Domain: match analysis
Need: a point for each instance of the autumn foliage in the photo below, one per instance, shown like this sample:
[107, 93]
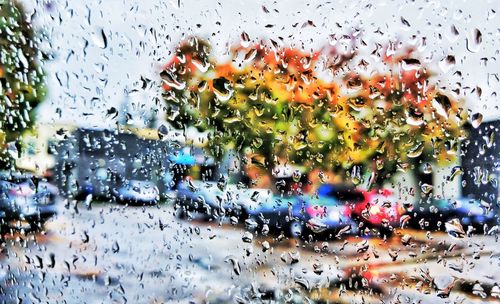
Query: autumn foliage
[275, 102]
[21, 77]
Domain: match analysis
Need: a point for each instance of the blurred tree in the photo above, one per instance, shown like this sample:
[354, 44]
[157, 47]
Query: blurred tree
[21, 78]
[271, 101]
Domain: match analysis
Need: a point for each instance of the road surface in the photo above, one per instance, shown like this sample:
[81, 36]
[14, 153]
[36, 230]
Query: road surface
[118, 254]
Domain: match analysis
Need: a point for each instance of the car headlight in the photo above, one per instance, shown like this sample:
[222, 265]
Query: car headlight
[334, 216]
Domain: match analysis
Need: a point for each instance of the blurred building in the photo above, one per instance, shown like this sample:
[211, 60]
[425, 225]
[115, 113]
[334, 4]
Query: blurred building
[481, 162]
[38, 148]
[91, 161]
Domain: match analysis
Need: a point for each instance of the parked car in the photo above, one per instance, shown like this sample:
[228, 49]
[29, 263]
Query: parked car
[325, 214]
[24, 197]
[136, 192]
[341, 209]
[262, 207]
[378, 208]
[470, 212]
[473, 212]
[207, 198]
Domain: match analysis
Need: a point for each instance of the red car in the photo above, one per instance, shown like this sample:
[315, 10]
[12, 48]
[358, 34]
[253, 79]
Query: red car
[379, 208]
[374, 208]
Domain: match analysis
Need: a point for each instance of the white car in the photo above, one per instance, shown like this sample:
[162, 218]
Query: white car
[137, 192]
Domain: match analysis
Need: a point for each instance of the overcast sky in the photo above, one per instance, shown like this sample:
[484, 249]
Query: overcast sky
[87, 77]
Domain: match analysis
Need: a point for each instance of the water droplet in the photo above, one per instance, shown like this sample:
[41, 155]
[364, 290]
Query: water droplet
[344, 230]
[115, 247]
[495, 291]
[426, 188]
[302, 282]
[477, 119]
[234, 220]
[455, 171]
[251, 224]
[454, 228]
[405, 22]
[201, 64]
[265, 229]
[245, 40]
[247, 237]
[447, 63]
[473, 43]
[478, 290]
[316, 225]
[489, 138]
[171, 80]
[222, 89]
[362, 246]
[442, 105]
[356, 177]
[162, 131]
[265, 246]
[357, 104]
[202, 86]
[416, 151]
[100, 39]
[232, 119]
[257, 142]
[406, 239]
[411, 64]
[250, 55]
[404, 220]
[235, 263]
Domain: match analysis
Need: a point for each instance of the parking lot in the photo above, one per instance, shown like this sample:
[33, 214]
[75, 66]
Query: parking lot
[249, 152]
[105, 253]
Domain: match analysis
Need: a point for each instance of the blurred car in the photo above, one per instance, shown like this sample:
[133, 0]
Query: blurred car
[378, 208]
[473, 212]
[136, 192]
[470, 212]
[323, 215]
[23, 197]
[261, 207]
[326, 213]
[342, 208]
[207, 198]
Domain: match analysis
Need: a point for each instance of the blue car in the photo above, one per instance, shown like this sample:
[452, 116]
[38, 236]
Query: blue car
[474, 212]
[208, 199]
[136, 192]
[325, 214]
[262, 207]
[24, 197]
[322, 215]
[470, 212]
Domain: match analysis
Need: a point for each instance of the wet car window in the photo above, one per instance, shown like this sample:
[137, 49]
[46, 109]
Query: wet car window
[249, 152]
